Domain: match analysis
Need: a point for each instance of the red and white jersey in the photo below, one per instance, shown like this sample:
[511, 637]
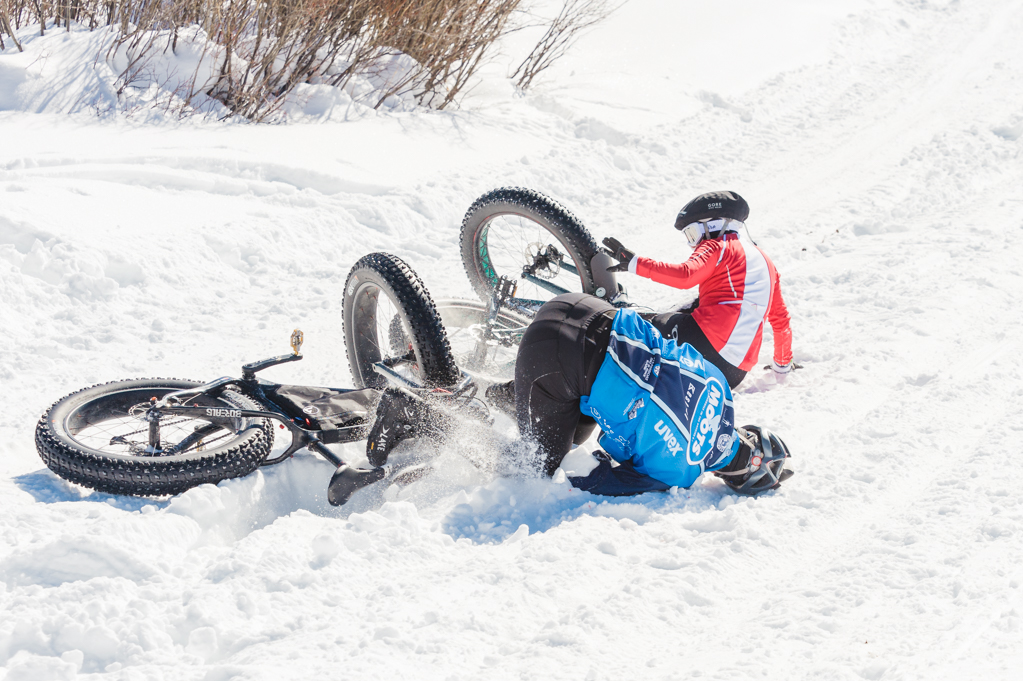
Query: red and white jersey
[739, 287]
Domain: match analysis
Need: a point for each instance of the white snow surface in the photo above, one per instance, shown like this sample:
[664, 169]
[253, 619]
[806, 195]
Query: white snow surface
[879, 145]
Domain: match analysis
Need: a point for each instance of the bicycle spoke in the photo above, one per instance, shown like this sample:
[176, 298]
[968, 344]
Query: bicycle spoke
[490, 355]
[390, 337]
[513, 240]
[128, 434]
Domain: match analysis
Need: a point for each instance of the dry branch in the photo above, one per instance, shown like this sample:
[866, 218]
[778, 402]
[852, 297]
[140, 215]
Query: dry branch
[568, 26]
[255, 52]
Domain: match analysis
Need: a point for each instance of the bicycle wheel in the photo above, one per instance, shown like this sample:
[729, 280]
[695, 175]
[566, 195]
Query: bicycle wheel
[389, 317]
[476, 349]
[99, 437]
[526, 236]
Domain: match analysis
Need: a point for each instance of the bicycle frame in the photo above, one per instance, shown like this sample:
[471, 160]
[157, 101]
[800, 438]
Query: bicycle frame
[300, 437]
[607, 285]
[303, 434]
[173, 404]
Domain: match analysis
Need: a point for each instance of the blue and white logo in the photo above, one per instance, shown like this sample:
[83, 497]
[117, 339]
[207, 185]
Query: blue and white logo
[670, 441]
[708, 410]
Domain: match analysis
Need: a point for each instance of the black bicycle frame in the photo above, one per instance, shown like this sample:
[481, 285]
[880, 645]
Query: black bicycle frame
[253, 388]
[300, 437]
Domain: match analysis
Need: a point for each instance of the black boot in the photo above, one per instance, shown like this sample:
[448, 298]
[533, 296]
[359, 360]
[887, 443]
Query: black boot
[399, 416]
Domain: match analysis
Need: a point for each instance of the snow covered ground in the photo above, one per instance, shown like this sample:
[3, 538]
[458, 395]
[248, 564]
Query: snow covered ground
[880, 145]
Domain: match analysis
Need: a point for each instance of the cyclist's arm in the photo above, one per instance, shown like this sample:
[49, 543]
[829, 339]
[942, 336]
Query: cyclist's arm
[778, 318]
[617, 481]
[692, 272]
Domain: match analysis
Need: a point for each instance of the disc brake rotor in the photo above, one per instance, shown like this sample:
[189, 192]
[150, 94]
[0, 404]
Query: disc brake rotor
[545, 259]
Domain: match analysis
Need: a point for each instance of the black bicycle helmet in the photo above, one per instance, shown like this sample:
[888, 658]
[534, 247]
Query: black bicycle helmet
[759, 465]
[694, 217]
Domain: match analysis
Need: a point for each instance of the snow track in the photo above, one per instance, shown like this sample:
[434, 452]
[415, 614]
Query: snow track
[886, 182]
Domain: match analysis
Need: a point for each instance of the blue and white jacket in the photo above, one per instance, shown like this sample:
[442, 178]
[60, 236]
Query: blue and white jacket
[666, 413]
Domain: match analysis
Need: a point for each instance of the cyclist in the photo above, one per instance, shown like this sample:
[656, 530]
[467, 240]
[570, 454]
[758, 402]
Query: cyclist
[738, 288]
[666, 414]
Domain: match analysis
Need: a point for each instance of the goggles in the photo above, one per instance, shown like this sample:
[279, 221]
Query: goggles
[695, 232]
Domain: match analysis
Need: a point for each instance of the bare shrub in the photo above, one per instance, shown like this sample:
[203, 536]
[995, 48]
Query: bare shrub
[255, 52]
[5, 26]
[265, 49]
[449, 39]
[574, 18]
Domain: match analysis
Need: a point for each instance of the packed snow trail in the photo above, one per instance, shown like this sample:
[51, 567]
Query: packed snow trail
[885, 181]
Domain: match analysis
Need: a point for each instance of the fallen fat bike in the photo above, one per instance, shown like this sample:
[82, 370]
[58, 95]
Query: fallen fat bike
[152, 437]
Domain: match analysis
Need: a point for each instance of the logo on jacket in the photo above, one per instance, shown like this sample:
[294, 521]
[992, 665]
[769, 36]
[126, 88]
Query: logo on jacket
[691, 363]
[690, 391]
[601, 421]
[648, 367]
[670, 441]
[709, 411]
[636, 406]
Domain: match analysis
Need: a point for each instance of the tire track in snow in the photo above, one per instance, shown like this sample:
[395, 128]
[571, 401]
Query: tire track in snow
[902, 114]
[182, 173]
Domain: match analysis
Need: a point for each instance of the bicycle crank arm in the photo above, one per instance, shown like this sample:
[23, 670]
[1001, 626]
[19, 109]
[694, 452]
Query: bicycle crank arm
[249, 370]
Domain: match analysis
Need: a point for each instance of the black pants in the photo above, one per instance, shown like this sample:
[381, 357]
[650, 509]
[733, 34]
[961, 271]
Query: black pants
[558, 360]
[681, 327]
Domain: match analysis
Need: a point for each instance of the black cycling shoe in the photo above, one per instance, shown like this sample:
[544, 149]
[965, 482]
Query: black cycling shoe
[399, 417]
[346, 481]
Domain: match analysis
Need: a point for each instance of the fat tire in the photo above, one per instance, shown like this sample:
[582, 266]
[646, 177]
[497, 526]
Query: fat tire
[392, 276]
[531, 204]
[148, 476]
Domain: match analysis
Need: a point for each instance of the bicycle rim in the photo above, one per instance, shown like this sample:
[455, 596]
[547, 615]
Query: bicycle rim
[465, 322]
[115, 424]
[510, 242]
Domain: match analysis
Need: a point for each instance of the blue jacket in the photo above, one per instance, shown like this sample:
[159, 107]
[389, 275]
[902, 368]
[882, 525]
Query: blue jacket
[666, 413]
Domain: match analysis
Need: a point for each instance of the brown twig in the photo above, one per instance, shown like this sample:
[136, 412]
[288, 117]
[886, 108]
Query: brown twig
[574, 18]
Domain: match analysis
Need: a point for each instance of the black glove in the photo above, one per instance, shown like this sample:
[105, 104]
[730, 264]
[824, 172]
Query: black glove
[620, 253]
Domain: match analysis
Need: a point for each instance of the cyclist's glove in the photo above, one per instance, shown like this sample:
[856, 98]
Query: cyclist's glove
[620, 253]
